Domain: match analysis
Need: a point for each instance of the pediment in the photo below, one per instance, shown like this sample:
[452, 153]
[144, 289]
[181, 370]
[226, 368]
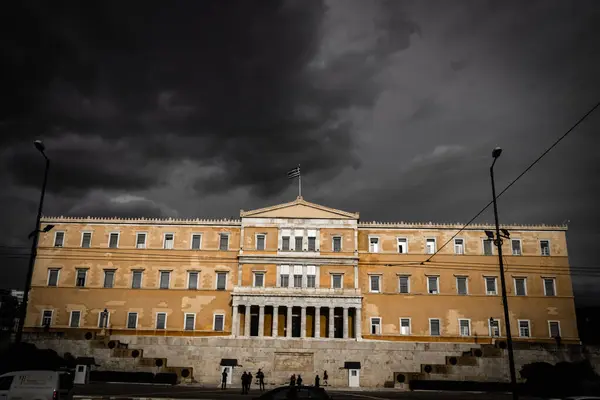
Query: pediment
[299, 208]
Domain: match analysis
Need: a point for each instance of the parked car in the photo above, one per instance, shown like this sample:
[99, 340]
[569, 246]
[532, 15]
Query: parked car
[294, 392]
[36, 385]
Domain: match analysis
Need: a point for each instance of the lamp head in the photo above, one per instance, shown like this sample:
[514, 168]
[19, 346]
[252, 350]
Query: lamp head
[39, 145]
[505, 233]
[490, 235]
[47, 228]
[496, 152]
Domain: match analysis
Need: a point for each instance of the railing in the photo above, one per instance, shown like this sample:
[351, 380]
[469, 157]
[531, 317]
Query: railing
[298, 291]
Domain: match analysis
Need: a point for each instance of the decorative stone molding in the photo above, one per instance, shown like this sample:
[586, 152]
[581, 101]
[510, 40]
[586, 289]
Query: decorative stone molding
[458, 225]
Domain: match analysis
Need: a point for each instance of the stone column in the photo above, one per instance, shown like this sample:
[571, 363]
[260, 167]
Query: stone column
[247, 321]
[346, 323]
[331, 312]
[303, 322]
[357, 323]
[288, 322]
[261, 321]
[235, 322]
[275, 320]
[317, 322]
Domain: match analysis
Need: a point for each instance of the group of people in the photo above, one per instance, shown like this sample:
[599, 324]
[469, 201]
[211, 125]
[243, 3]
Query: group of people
[298, 381]
[260, 376]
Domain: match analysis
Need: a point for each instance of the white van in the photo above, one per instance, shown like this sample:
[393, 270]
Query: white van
[35, 385]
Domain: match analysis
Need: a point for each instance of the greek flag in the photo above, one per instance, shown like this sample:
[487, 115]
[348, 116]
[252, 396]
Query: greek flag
[293, 173]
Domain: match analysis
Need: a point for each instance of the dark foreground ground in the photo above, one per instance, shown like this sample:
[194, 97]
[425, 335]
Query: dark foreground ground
[187, 392]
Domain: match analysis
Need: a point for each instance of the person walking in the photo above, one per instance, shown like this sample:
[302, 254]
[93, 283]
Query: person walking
[293, 380]
[325, 377]
[224, 379]
[317, 381]
[299, 380]
[249, 382]
[261, 379]
[244, 382]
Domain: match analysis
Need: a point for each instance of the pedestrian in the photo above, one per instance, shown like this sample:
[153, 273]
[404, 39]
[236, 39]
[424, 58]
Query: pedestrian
[224, 379]
[261, 379]
[299, 380]
[317, 381]
[249, 382]
[325, 377]
[293, 380]
[244, 380]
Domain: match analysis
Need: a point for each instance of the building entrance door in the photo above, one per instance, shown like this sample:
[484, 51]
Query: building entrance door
[295, 326]
[354, 377]
[229, 373]
[254, 325]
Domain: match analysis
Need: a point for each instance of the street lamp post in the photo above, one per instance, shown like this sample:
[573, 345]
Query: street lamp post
[36, 235]
[511, 358]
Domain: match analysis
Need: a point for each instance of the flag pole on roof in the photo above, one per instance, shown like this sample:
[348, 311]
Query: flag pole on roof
[295, 173]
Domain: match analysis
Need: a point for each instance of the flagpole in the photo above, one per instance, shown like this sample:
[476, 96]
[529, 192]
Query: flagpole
[299, 182]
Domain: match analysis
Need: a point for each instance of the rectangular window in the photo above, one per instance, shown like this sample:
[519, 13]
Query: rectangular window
[47, 317]
[196, 241]
[337, 244]
[375, 326]
[169, 241]
[545, 247]
[113, 240]
[336, 281]
[487, 247]
[259, 279]
[165, 278]
[554, 329]
[432, 284]
[405, 326]
[434, 327]
[86, 240]
[549, 287]
[161, 320]
[374, 283]
[223, 242]
[109, 279]
[524, 330]
[74, 320]
[520, 287]
[285, 243]
[374, 245]
[132, 318]
[461, 285]
[298, 243]
[81, 275]
[459, 246]
[260, 242]
[193, 280]
[190, 322]
[430, 246]
[140, 241]
[103, 319]
[297, 281]
[59, 239]
[516, 247]
[311, 276]
[490, 285]
[312, 243]
[53, 277]
[494, 327]
[136, 280]
[402, 245]
[404, 284]
[465, 327]
[221, 280]
[284, 276]
[219, 323]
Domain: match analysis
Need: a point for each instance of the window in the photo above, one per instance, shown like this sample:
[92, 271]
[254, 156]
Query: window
[298, 243]
[549, 287]
[404, 284]
[193, 280]
[102, 322]
[221, 280]
[223, 242]
[459, 246]
[297, 276]
[490, 285]
[132, 318]
[554, 329]
[336, 281]
[461, 285]
[311, 276]
[196, 241]
[59, 239]
[374, 281]
[219, 323]
[136, 280]
[487, 247]
[434, 327]
[430, 246]
[109, 278]
[337, 244]
[524, 330]
[165, 277]
[312, 243]
[432, 284]
[161, 320]
[465, 327]
[74, 319]
[53, 277]
[402, 245]
[140, 241]
[86, 240]
[190, 322]
[494, 325]
[284, 276]
[169, 241]
[545, 247]
[520, 287]
[113, 240]
[260, 242]
[81, 275]
[374, 245]
[259, 279]
[285, 243]
[516, 247]
[47, 317]
[375, 326]
[405, 326]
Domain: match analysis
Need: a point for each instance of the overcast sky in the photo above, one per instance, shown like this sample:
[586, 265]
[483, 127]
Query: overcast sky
[392, 108]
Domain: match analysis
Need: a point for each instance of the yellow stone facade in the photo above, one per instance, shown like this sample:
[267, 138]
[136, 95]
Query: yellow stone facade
[353, 281]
